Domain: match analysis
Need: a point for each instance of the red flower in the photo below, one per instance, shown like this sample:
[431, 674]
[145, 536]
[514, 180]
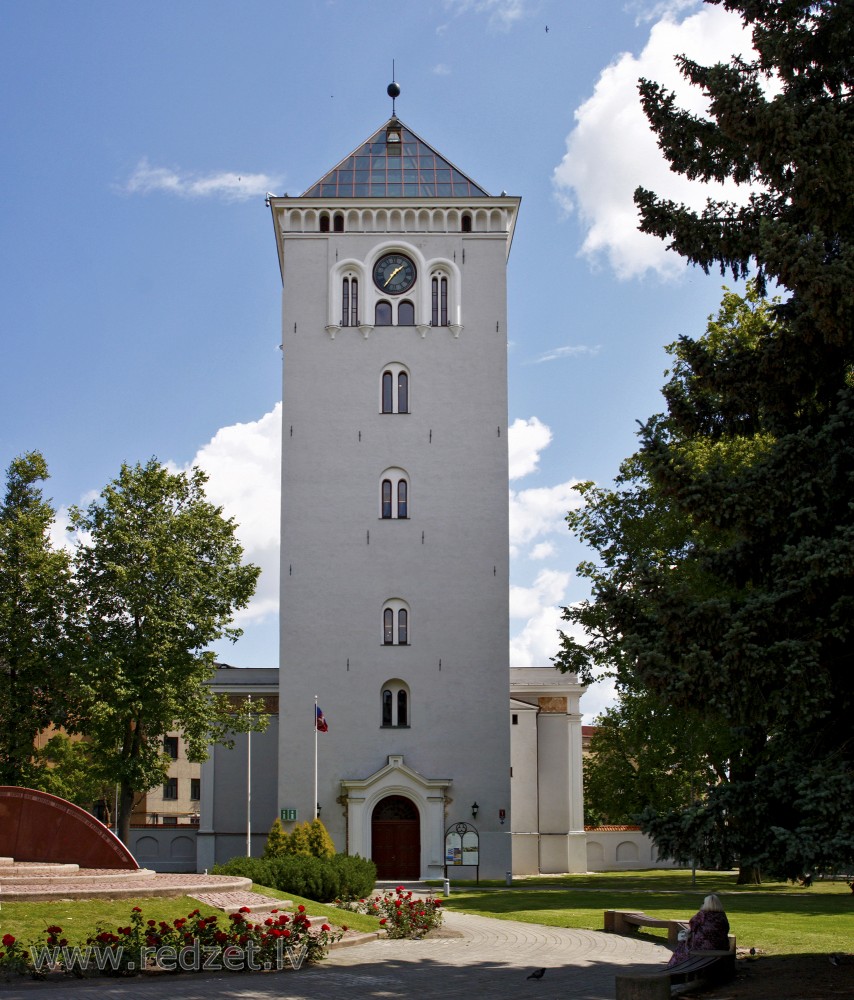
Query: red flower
[301, 908]
[382, 921]
[243, 909]
[324, 927]
[286, 933]
[8, 940]
[152, 923]
[344, 927]
[136, 909]
[53, 929]
[268, 922]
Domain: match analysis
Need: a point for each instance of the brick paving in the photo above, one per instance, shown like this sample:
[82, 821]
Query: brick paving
[476, 957]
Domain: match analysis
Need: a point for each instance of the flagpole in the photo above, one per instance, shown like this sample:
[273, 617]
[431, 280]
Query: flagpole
[249, 781]
[315, 756]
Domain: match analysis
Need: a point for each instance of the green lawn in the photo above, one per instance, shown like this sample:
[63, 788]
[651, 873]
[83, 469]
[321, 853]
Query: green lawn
[79, 918]
[775, 918]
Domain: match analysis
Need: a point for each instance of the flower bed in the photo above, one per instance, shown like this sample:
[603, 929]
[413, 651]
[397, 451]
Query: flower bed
[188, 944]
[402, 915]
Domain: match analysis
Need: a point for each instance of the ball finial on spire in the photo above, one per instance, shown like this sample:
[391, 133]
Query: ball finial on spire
[393, 91]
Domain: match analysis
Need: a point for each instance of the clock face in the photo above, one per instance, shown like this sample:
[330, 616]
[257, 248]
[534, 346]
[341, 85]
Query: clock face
[394, 274]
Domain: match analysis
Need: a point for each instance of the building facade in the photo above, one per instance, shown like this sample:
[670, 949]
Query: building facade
[394, 541]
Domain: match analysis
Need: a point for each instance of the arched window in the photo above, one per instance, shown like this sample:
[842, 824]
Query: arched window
[394, 494]
[350, 302]
[391, 400]
[324, 223]
[338, 223]
[406, 314]
[382, 315]
[396, 630]
[439, 300]
[466, 224]
[395, 704]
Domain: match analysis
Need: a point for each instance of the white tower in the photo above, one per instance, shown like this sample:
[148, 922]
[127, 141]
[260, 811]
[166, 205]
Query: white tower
[394, 550]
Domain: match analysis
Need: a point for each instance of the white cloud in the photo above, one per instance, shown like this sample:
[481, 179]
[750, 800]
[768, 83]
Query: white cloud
[243, 464]
[525, 440]
[441, 69]
[538, 641]
[502, 14]
[543, 550]
[227, 185]
[611, 150]
[540, 511]
[569, 351]
[548, 589]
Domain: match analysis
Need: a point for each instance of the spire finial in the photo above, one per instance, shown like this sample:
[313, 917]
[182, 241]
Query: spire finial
[393, 90]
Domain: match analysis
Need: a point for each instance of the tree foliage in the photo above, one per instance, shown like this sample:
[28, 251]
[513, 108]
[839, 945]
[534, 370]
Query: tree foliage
[725, 580]
[66, 767]
[159, 569]
[645, 755]
[36, 605]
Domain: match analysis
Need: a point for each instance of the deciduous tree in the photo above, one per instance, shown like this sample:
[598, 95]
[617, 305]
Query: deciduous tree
[36, 605]
[160, 571]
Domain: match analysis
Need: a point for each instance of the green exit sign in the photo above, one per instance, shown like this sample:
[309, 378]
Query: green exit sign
[289, 815]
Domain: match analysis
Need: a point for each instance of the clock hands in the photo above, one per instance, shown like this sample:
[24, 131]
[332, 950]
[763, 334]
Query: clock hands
[393, 273]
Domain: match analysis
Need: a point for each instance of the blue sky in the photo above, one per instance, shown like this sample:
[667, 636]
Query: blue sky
[139, 288]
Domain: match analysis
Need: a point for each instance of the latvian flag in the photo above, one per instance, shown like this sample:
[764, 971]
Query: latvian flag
[320, 722]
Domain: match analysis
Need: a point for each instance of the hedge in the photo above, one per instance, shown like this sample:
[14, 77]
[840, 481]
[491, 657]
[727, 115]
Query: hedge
[321, 879]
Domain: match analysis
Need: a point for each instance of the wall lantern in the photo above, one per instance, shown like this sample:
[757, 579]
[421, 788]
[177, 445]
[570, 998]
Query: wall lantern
[474, 810]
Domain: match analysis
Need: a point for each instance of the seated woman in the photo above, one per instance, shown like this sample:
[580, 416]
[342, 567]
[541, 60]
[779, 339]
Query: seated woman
[708, 930]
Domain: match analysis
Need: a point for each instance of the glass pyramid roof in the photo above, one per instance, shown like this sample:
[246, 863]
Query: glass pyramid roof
[412, 169]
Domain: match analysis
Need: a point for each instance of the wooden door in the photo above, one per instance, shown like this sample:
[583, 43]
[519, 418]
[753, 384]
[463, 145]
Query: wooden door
[396, 839]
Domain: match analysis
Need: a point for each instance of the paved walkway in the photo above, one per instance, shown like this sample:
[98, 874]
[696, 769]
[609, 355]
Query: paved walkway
[486, 959]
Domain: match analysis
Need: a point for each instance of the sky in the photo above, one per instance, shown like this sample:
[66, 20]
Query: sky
[139, 286]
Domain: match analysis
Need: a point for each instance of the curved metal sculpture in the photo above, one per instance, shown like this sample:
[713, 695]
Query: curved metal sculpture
[36, 826]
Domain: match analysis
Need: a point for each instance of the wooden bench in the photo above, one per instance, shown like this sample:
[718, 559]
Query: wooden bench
[713, 966]
[629, 921]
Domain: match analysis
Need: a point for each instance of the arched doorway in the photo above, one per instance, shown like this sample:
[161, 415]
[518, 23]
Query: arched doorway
[396, 838]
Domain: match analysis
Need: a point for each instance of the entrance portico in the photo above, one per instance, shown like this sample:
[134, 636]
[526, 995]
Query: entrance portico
[428, 796]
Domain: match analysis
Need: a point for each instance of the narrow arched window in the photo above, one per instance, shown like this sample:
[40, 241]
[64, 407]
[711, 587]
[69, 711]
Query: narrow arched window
[388, 702]
[466, 225]
[324, 223]
[354, 302]
[406, 314]
[388, 384]
[350, 302]
[386, 510]
[439, 301]
[402, 392]
[338, 223]
[402, 716]
[388, 627]
[402, 630]
[401, 498]
[383, 314]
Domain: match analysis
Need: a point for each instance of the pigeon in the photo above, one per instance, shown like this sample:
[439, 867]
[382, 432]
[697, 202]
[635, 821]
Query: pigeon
[537, 974]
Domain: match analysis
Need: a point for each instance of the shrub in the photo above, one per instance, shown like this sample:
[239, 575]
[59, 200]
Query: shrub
[277, 841]
[323, 879]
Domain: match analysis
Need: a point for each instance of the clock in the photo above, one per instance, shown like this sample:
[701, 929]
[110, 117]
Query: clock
[394, 274]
